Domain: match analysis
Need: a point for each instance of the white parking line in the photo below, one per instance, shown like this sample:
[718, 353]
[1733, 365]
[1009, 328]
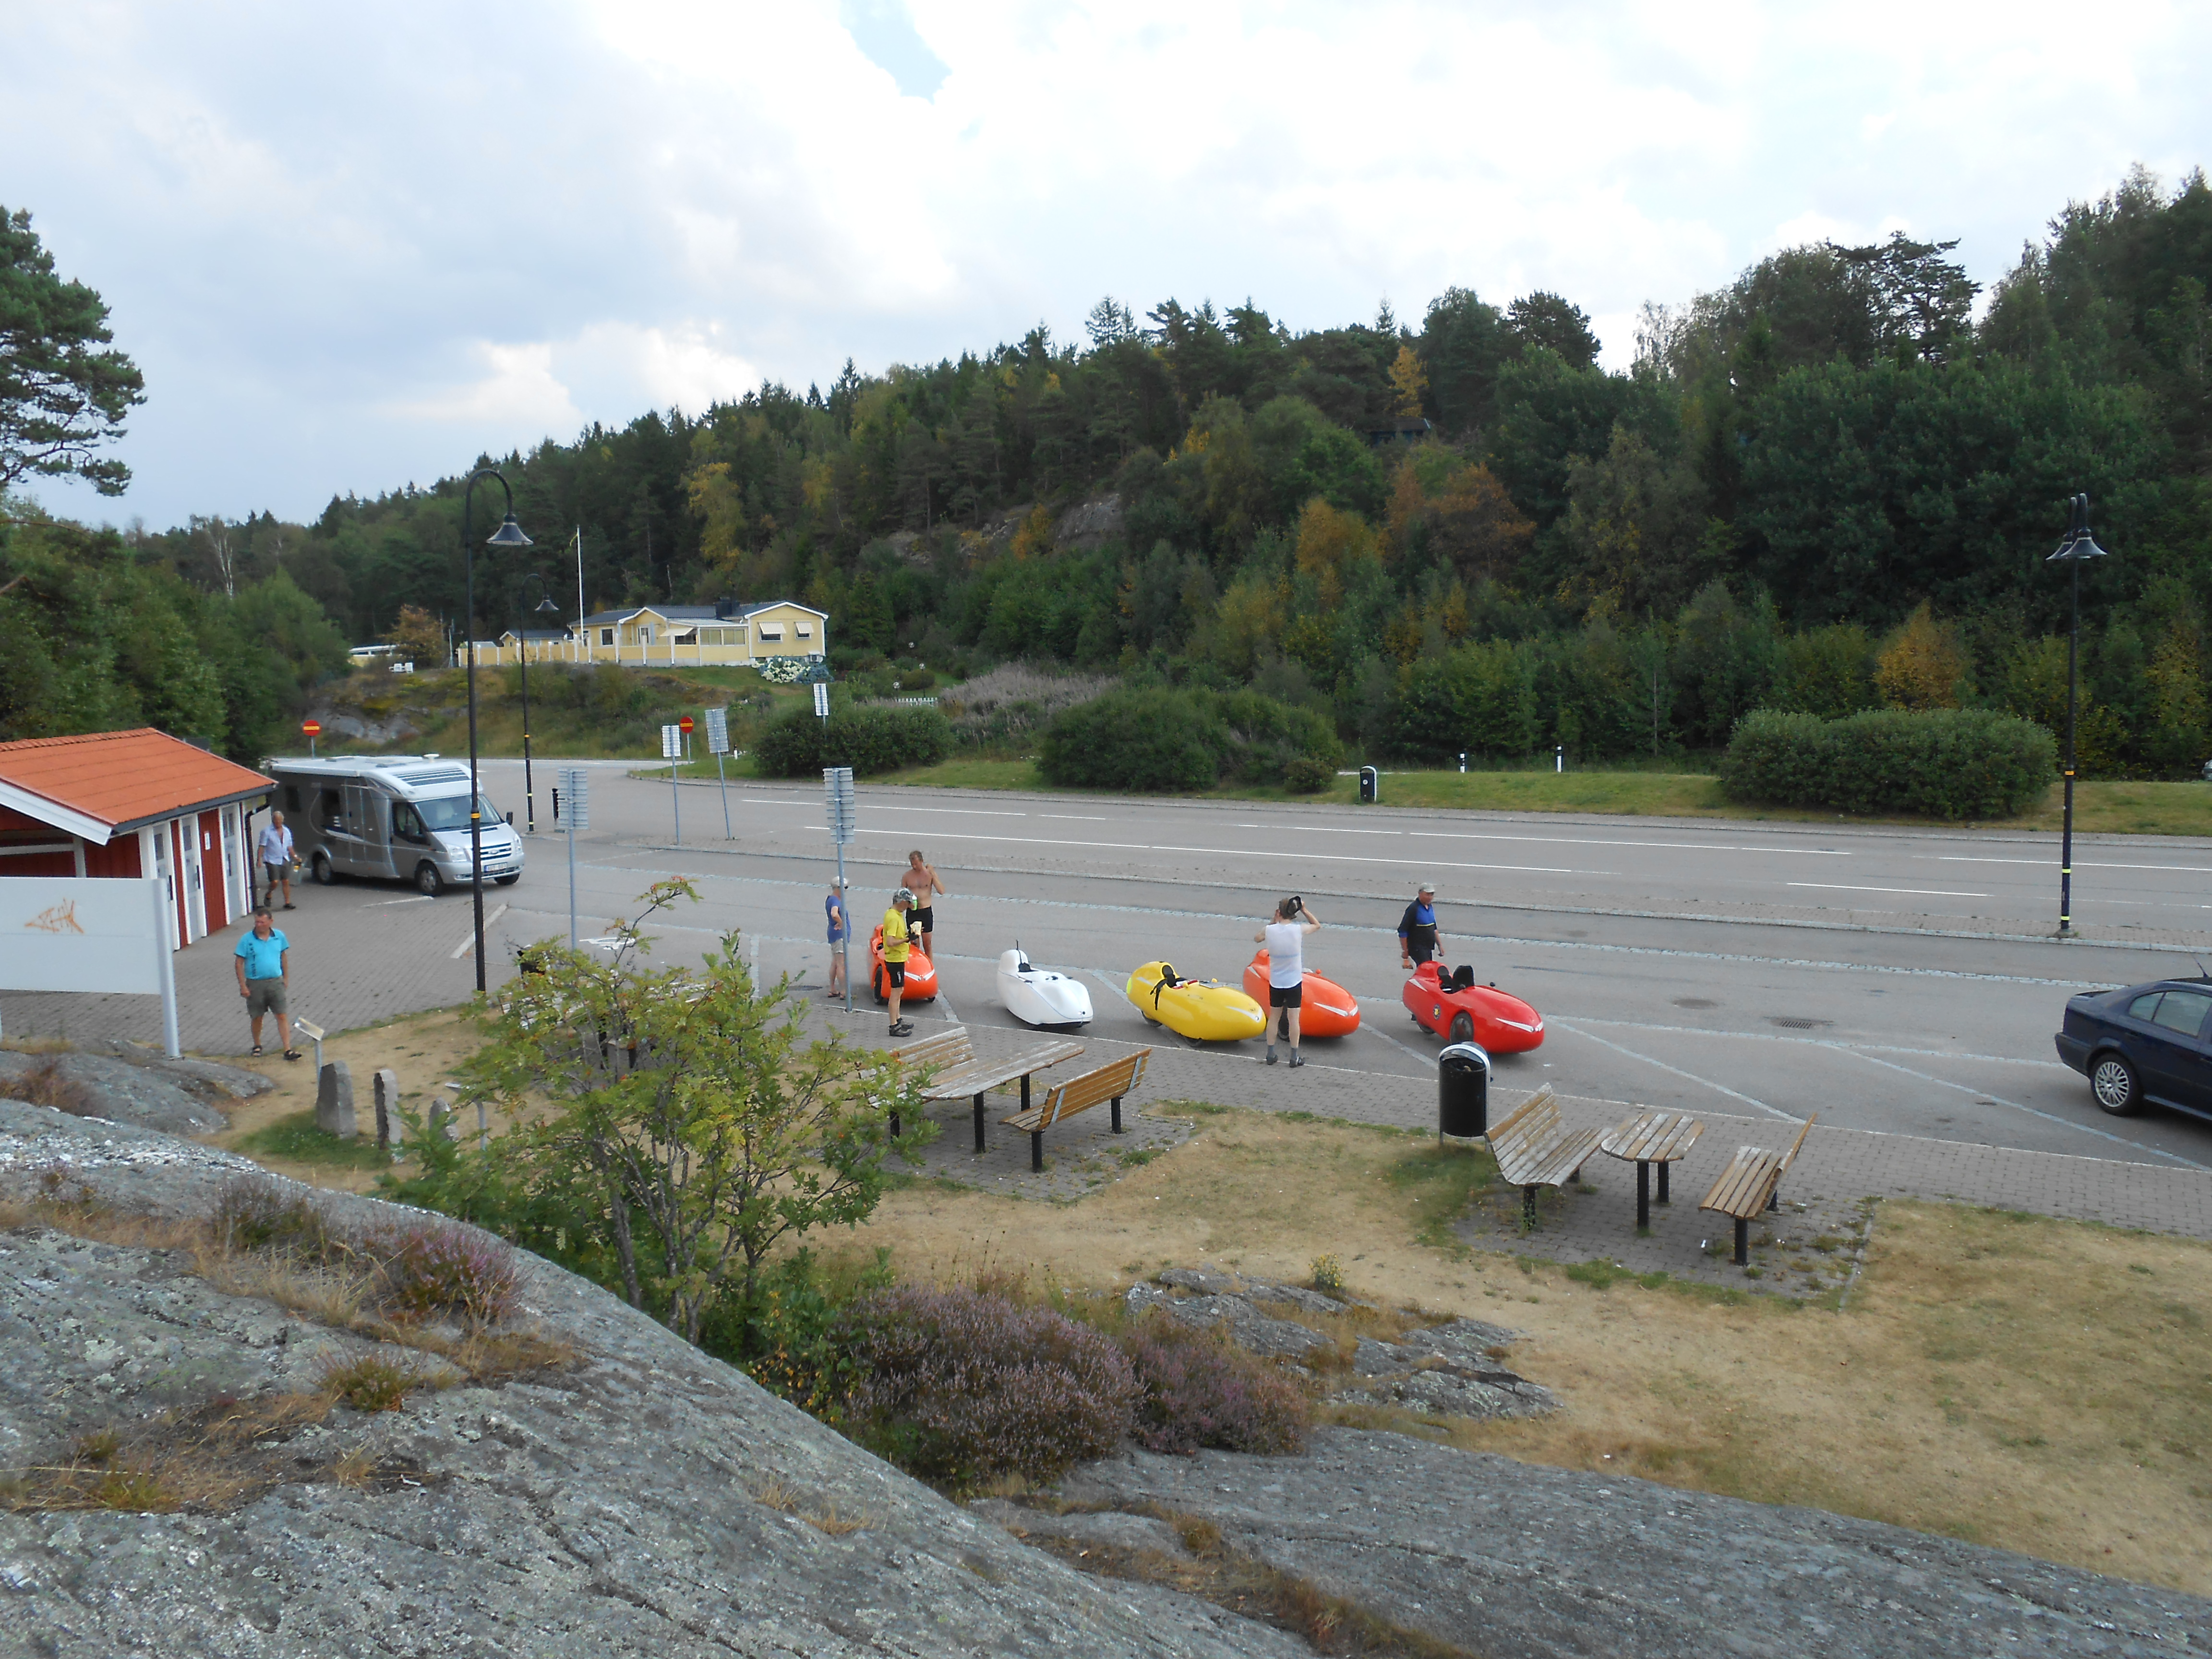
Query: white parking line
[1601, 841]
[1229, 852]
[466, 945]
[1720, 1088]
[2178, 869]
[1917, 892]
[2048, 1117]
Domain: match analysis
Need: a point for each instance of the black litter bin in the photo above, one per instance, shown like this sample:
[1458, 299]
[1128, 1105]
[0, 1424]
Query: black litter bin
[1462, 1091]
[1369, 780]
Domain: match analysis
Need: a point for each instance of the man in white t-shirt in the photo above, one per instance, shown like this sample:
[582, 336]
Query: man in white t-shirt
[276, 851]
[1285, 939]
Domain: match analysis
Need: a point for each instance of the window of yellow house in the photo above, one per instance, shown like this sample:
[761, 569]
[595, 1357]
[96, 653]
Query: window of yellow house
[771, 630]
[606, 636]
[806, 630]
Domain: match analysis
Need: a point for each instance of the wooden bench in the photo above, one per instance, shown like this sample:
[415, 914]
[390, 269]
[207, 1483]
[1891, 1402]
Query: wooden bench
[1533, 1149]
[956, 1073]
[946, 1051]
[1753, 1182]
[1107, 1083]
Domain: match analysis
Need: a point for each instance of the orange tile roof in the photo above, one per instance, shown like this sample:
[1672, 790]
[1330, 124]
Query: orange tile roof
[116, 779]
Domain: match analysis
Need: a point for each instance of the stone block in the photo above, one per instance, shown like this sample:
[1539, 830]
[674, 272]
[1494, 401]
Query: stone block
[334, 1100]
[390, 1131]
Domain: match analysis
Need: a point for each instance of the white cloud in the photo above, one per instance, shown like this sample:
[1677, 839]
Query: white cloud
[306, 218]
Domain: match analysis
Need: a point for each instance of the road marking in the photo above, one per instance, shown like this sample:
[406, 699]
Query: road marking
[1599, 840]
[1317, 829]
[1075, 817]
[468, 944]
[1592, 1036]
[2048, 1117]
[1823, 1042]
[413, 898]
[2178, 869]
[1368, 1030]
[1917, 892]
[1233, 852]
[964, 811]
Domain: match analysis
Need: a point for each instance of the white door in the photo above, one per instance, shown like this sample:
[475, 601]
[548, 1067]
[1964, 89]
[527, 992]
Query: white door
[195, 885]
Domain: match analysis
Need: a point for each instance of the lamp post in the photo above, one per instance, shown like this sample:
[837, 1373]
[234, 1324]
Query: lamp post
[509, 534]
[544, 605]
[2077, 546]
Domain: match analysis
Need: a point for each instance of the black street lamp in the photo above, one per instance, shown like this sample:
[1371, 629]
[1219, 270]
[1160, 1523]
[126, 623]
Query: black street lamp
[544, 605]
[2077, 546]
[509, 534]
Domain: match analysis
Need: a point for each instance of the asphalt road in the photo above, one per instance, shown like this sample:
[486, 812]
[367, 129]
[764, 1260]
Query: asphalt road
[1901, 981]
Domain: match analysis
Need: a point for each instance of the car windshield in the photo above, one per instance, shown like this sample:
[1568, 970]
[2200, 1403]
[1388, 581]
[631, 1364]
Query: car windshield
[452, 811]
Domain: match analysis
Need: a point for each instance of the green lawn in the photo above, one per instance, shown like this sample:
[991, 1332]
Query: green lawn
[2141, 809]
[297, 1138]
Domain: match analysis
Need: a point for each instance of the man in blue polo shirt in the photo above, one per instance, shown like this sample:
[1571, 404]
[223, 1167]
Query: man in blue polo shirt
[260, 961]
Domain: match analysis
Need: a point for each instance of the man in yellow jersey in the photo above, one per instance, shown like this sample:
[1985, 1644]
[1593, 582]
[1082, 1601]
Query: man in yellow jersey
[896, 946]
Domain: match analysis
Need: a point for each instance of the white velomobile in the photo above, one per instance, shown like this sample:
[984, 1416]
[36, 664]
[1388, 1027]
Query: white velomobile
[1041, 996]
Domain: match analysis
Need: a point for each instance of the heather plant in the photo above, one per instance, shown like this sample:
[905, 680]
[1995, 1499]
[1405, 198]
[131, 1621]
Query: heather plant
[443, 1268]
[260, 1212]
[1014, 701]
[1196, 1390]
[964, 1387]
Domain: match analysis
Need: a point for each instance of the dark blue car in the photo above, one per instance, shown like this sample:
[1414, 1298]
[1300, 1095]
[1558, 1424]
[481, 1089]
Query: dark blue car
[2149, 1043]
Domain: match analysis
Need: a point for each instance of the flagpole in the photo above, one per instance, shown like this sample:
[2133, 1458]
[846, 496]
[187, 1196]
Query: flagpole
[579, 594]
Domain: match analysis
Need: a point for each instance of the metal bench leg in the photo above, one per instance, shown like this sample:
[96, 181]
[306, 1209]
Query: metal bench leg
[1117, 1115]
[1528, 1204]
[979, 1123]
[1037, 1152]
[1774, 1198]
[895, 1126]
[1644, 1195]
[1662, 1183]
[1742, 1243]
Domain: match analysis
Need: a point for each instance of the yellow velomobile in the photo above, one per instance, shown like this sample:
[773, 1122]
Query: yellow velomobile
[1203, 1009]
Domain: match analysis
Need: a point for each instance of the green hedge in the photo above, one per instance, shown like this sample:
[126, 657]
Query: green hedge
[1939, 763]
[1160, 738]
[867, 739]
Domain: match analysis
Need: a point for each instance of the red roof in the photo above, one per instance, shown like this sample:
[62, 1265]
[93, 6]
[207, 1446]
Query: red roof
[99, 783]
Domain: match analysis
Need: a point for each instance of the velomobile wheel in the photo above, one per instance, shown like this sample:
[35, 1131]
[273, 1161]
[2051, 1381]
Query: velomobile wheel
[1462, 1027]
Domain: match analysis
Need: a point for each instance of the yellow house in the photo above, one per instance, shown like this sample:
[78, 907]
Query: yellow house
[674, 635]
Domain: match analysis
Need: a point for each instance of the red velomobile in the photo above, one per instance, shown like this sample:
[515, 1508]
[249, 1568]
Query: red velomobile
[921, 973]
[1326, 1009]
[1453, 1005]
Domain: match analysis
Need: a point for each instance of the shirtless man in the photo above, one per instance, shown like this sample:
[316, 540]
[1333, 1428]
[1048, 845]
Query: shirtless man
[927, 888]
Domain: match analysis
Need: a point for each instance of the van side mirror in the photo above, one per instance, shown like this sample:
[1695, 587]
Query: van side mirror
[508, 818]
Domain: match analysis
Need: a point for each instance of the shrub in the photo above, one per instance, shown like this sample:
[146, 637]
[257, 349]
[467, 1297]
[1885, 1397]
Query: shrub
[1196, 1390]
[258, 1213]
[1328, 1274]
[1186, 739]
[1941, 763]
[1013, 702]
[370, 1383]
[964, 1387]
[46, 1084]
[866, 740]
[442, 1268]
[1304, 775]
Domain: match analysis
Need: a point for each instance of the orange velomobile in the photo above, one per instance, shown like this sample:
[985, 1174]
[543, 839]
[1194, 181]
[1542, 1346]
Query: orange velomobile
[1326, 1008]
[921, 973]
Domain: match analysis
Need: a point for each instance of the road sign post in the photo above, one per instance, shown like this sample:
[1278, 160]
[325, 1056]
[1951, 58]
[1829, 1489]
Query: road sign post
[672, 751]
[837, 782]
[311, 730]
[718, 745]
[821, 700]
[572, 814]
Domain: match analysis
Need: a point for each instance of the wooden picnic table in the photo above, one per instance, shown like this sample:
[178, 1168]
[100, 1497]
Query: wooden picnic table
[977, 1078]
[1647, 1138]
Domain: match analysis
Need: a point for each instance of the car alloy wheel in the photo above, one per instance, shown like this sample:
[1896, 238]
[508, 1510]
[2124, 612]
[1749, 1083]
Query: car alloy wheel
[2113, 1082]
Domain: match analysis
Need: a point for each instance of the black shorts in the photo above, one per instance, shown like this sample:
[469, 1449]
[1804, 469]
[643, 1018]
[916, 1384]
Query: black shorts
[1286, 996]
[894, 972]
[919, 919]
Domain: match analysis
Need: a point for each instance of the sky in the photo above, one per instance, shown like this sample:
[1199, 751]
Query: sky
[352, 248]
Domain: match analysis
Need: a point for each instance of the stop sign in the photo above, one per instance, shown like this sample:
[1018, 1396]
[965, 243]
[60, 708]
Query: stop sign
[684, 725]
[311, 728]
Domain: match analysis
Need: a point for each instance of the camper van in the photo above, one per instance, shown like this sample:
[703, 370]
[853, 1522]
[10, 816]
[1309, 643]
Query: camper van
[402, 817]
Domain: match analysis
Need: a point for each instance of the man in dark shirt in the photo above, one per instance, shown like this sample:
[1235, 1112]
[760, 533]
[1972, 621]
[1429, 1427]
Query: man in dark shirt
[1417, 939]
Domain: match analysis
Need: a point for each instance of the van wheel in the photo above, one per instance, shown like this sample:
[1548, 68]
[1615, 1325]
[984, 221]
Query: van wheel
[321, 868]
[509, 881]
[427, 882]
[2113, 1082]
[1462, 1027]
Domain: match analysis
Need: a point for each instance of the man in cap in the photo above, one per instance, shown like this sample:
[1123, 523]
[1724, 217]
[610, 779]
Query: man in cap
[839, 927]
[1418, 941]
[896, 946]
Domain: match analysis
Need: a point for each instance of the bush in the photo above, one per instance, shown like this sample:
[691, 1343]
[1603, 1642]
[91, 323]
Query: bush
[1196, 1390]
[260, 1212]
[1013, 702]
[1304, 775]
[964, 1387]
[439, 1269]
[866, 740]
[1940, 763]
[1188, 738]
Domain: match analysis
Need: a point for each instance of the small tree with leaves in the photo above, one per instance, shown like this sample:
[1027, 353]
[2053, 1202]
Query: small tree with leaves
[690, 1098]
[65, 389]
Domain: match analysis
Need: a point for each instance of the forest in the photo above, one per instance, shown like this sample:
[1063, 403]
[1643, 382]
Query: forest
[1831, 485]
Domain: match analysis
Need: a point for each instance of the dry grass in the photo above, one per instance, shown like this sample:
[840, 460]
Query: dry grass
[44, 1085]
[2033, 1384]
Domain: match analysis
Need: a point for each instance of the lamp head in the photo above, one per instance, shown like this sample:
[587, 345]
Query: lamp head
[2077, 543]
[509, 534]
[547, 605]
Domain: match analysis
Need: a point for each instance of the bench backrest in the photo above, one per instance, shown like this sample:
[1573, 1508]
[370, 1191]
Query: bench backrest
[1535, 1123]
[948, 1048]
[1791, 1157]
[1107, 1083]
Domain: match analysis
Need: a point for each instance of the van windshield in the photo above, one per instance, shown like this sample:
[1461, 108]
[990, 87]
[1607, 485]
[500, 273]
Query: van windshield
[451, 812]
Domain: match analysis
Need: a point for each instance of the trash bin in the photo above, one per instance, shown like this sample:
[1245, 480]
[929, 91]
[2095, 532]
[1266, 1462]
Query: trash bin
[1462, 1091]
[1369, 780]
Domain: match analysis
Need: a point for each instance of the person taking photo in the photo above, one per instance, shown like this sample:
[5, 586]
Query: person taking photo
[1284, 936]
